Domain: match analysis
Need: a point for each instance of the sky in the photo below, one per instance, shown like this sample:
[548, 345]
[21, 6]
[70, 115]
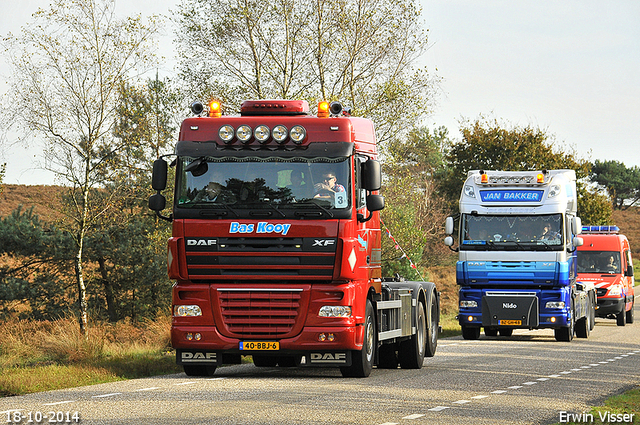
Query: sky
[570, 68]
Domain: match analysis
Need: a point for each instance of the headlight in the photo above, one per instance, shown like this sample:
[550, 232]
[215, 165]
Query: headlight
[554, 191]
[243, 133]
[261, 133]
[335, 311]
[615, 291]
[279, 133]
[298, 134]
[468, 304]
[468, 190]
[226, 133]
[555, 304]
[186, 310]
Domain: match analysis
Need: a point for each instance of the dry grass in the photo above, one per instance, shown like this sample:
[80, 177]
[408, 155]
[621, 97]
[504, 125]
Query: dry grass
[44, 355]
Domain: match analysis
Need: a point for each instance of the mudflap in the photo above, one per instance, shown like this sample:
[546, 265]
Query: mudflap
[516, 310]
[326, 358]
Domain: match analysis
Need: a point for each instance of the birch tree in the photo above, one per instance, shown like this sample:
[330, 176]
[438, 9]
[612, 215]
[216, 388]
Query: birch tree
[362, 52]
[67, 65]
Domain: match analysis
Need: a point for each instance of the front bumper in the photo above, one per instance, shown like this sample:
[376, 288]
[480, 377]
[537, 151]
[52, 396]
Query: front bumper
[306, 347]
[608, 306]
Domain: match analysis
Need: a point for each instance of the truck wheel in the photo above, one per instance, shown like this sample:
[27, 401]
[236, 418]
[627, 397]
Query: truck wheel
[630, 313]
[470, 332]
[566, 334]
[199, 370]
[490, 331]
[592, 310]
[621, 318]
[433, 326]
[583, 327]
[411, 352]
[506, 332]
[362, 360]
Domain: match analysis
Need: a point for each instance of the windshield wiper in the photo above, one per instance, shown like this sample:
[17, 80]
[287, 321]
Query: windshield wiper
[310, 202]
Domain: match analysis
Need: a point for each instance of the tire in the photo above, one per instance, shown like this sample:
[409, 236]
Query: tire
[362, 360]
[583, 326]
[470, 332]
[411, 351]
[566, 334]
[506, 332]
[630, 313]
[199, 370]
[592, 312]
[621, 318]
[491, 331]
[433, 326]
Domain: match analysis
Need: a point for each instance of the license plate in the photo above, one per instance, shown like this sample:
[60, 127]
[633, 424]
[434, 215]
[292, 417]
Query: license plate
[510, 322]
[259, 345]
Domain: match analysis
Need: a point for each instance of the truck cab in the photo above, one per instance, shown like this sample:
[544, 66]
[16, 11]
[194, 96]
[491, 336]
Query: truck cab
[605, 260]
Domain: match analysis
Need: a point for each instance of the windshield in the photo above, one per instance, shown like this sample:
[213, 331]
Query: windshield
[599, 262]
[280, 185]
[513, 232]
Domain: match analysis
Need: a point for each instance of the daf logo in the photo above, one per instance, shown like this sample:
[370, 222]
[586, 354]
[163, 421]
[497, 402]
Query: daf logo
[323, 242]
[328, 357]
[197, 356]
[509, 305]
[202, 242]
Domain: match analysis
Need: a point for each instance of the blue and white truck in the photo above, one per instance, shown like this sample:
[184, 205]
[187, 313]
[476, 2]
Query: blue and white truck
[517, 239]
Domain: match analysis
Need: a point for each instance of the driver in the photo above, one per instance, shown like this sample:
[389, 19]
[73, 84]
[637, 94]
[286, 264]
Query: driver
[329, 183]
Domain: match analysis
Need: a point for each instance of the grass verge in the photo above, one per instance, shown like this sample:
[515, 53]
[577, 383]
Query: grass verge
[622, 408]
[48, 355]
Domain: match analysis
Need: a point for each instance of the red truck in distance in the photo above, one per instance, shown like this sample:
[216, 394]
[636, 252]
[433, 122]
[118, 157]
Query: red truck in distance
[276, 245]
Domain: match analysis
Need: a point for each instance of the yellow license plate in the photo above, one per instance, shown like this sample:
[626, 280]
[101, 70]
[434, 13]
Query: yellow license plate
[259, 345]
[510, 322]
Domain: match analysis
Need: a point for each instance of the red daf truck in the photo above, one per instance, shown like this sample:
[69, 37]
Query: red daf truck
[605, 260]
[276, 245]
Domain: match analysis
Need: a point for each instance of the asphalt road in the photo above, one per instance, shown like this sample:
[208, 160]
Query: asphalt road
[528, 378]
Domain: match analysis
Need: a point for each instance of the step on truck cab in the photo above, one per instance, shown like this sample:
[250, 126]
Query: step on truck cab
[605, 261]
[276, 245]
[517, 238]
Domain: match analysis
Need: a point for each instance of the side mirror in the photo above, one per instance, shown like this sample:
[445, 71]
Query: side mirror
[159, 176]
[629, 271]
[448, 226]
[576, 226]
[157, 202]
[371, 175]
[448, 241]
[375, 202]
[577, 241]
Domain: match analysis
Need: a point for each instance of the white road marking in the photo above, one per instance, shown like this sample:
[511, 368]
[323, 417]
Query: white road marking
[498, 392]
[554, 376]
[515, 387]
[439, 408]
[462, 402]
[542, 379]
[414, 416]
[148, 389]
[529, 383]
[59, 402]
[106, 395]
[186, 383]
[478, 397]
